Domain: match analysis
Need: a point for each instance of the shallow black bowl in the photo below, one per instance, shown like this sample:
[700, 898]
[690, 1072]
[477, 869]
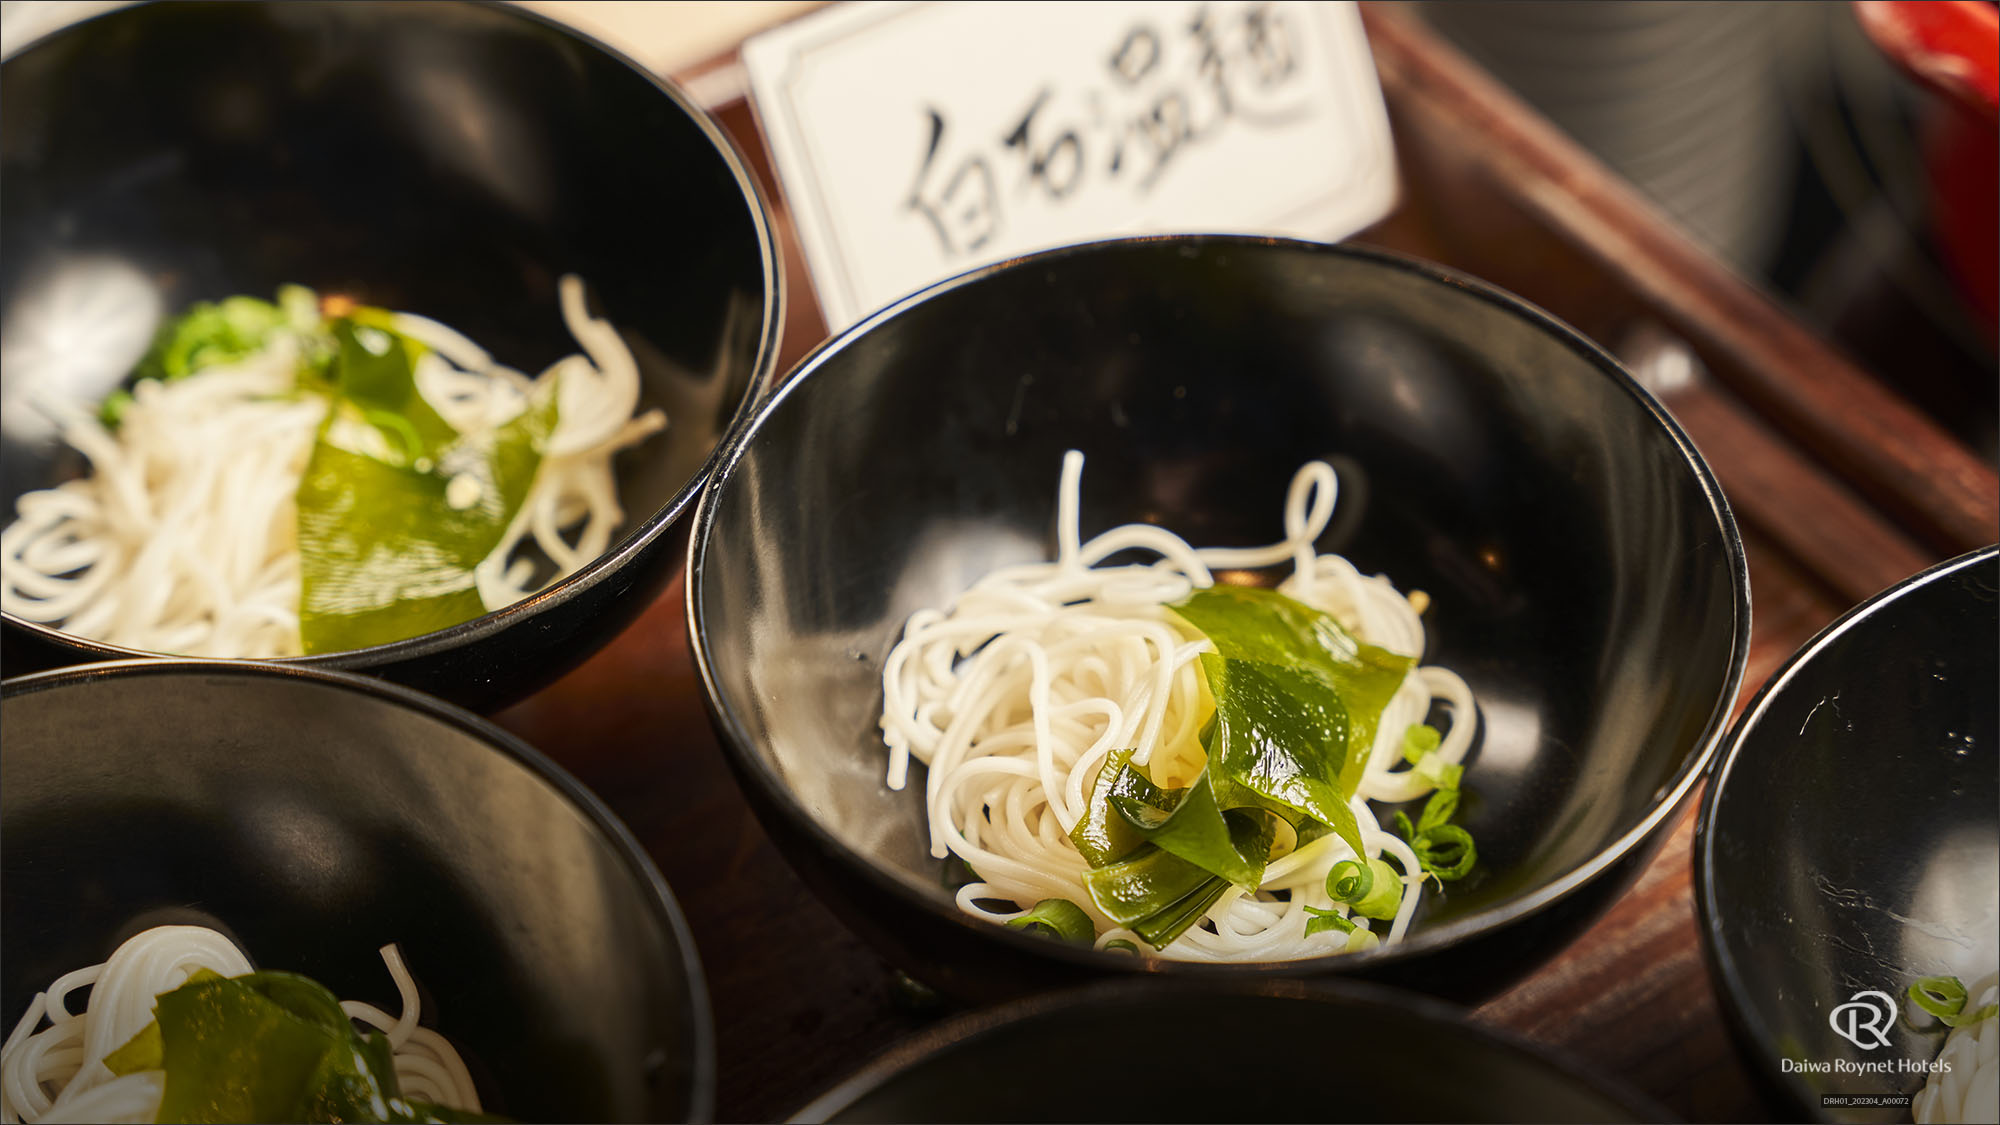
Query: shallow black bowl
[1850, 839]
[1586, 577]
[1223, 1051]
[316, 816]
[450, 159]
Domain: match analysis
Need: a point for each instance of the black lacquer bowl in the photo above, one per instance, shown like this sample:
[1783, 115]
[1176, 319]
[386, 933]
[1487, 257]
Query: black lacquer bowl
[450, 159]
[1223, 1051]
[1586, 577]
[317, 816]
[1849, 843]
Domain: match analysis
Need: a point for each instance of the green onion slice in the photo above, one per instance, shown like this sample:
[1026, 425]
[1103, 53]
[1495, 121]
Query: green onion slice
[1350, 881]
[1387, 895]
[1440, 773]
[1439, 809]
[1944, 997]
[1420, 739]
[1323, 920]
[1446, 851]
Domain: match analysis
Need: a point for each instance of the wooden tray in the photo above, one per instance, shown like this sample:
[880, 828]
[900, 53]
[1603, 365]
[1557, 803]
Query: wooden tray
[1841, 489]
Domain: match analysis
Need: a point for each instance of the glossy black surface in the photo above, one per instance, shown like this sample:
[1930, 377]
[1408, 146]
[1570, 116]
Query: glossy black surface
[1213, 1051]
[315, 817]
[1586, 577]
[445, 158]
[1850, 839]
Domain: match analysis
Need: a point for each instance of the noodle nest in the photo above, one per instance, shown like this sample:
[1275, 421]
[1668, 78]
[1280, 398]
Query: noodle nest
[1015, 695]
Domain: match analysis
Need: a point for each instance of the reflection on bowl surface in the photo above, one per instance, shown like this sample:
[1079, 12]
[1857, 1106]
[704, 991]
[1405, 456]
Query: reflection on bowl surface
[316, 816]
[1850, 841]
[449, 159]
[1268, 1052]
[1585, 577]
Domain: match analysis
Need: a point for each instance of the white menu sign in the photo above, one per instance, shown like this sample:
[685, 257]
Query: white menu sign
[917, 140]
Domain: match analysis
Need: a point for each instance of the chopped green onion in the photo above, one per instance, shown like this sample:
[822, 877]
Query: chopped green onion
[300, 307]
[112, 411]
[1323, 920]
[1121, 945]
[1350, 881]
[1944, 997]
[210, 334]
[1061, 917]
[1986, 1013]
[1387, 895]
[1420, 739]
[1446, 851]
[1439, 809]
[1362, 940]
[1440, 773]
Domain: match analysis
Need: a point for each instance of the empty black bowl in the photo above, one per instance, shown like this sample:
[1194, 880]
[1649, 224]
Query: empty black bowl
[1585, 575]
[1850, 843]
[446, 158]
[316, 816]
[1223, 1051]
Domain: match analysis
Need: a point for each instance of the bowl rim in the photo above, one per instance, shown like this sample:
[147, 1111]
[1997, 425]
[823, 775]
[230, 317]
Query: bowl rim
[969, 1028]
[647, 881]
[641, 535]
[1726, 975]
[736, 741]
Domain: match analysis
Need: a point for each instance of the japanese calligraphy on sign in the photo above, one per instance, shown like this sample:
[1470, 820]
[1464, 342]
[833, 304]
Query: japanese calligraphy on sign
[916, 140]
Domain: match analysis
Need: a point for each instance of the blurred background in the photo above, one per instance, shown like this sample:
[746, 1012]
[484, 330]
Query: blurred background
[1779, 134]
[1786, 140]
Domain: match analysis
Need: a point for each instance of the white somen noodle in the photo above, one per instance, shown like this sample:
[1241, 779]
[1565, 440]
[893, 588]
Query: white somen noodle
[183, 537]
[57, 1073]
[1965, 1086]
[1015, 695]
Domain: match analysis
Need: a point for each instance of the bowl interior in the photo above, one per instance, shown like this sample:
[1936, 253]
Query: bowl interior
[1282, 1052]
[449, 159]
[1851, 842]
[315, 821]
[1585, 579]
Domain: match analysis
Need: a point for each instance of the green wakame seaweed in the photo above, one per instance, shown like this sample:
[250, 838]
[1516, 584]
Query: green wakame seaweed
[268, 1046]
[1297, 702]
